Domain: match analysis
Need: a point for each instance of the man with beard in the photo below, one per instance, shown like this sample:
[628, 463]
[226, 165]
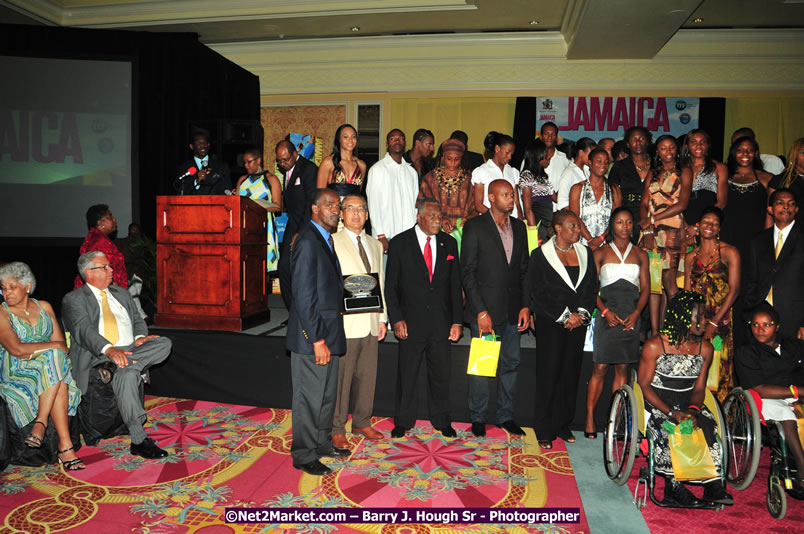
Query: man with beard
[211, 176]
[494, 265]
[300, 182]
[392, 190]
[420, 156]
[315, 336]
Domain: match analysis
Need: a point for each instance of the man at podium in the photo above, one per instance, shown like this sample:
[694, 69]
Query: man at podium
[203, 174]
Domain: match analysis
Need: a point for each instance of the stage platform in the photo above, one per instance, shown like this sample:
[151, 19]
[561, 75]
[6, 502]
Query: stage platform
[253, 368]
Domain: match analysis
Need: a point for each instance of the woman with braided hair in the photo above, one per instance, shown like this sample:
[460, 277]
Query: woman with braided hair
[672, 375]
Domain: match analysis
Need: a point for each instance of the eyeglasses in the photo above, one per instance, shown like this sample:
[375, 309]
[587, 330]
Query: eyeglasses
[107, 266]
[358, 209]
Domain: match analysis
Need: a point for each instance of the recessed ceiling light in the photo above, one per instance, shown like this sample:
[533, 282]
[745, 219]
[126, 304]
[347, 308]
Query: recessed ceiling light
[533, 22]
[355, 28]
[697, 20]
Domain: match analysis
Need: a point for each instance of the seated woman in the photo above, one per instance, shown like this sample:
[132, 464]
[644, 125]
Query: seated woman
[35, 373]
[672, 375]
[772, 366]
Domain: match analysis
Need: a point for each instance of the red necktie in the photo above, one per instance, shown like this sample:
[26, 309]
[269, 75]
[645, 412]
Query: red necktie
[428, 258]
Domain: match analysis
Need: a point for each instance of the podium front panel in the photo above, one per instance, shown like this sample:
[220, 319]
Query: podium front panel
[210, 219]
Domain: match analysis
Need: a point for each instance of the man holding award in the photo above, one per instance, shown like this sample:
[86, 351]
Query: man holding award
[364, 321]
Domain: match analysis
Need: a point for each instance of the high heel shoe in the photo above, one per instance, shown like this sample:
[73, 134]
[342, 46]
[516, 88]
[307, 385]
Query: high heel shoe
[590, 435]
[34, 441]
[70, 465]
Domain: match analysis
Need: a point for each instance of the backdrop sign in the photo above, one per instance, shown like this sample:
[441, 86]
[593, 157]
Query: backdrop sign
[597, 117]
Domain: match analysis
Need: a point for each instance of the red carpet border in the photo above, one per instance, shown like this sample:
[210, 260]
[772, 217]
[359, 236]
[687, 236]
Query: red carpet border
[239, 456]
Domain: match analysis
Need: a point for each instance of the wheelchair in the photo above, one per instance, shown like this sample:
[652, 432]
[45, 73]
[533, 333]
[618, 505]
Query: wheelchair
[748, 434]
[627, 426]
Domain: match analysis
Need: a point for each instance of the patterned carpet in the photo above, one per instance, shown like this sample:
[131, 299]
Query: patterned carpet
[238, 456]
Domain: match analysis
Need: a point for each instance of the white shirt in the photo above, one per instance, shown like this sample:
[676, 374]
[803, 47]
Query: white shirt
[125, 330]
[488, 172]
[558, 163]
[772, 164]
[353, 239]
[422, 237]
[391, 193]
[572, 175]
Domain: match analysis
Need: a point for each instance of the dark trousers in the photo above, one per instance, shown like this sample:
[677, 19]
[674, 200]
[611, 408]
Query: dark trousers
[434, 353]
[283, 266]
[559, 352]
[506, 377]
[313, 404]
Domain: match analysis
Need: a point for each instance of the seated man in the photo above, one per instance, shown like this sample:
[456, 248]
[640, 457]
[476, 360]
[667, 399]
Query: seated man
[103, 323]
[772, 366]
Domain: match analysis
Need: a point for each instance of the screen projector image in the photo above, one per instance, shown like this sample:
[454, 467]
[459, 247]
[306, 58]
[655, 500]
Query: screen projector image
[65, 144]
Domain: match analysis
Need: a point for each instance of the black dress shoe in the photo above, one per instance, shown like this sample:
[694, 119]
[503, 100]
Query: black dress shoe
[512, 428]
[716, 492]
[336, 452]
[148, 450]
[398, 432]
[676, 494]
[448, 432]
[314, 468]
[479, 429]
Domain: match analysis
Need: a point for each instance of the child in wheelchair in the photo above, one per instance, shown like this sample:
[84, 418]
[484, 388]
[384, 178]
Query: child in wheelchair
[672, 375]
[774, 368]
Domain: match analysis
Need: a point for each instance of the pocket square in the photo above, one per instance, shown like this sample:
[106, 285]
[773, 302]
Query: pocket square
[450, 257]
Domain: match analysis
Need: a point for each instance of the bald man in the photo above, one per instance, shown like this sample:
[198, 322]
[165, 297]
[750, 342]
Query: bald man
[494, 264]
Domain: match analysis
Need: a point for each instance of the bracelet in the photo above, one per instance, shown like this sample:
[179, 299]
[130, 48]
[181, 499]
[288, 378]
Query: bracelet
[647, 232]
[694, 407]
[605, 311]
[794, 390]
[670, 413]
[381, 236]
[483, 315]
[712, 323]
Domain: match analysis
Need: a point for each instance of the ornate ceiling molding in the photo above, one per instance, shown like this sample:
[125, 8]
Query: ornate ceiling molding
[713, 60]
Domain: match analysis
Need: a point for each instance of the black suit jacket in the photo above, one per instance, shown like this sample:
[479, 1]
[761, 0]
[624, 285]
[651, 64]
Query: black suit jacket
[315, 312]
[297, 196]
[80, 313]
[217, 182]
[549, 284]
[785, 274]
[428, 308]
[470, 162]
[489, 281]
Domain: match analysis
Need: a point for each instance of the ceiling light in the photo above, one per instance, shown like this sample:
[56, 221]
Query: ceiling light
[355, 28]
[533, 22]
[697, 20]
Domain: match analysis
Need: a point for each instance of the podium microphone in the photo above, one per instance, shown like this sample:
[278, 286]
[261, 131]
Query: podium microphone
[178, 184]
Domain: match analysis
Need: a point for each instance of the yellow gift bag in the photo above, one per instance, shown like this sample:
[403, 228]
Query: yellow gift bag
[690, 455]
[655, 267]
[533, 237]
[483, 356]
[721, 353]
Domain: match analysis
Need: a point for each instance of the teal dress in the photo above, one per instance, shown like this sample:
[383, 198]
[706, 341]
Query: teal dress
[258, 187]
[23, 381]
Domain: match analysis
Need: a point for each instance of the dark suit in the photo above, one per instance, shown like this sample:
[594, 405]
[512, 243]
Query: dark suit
[429, 309]
[784, 274]
[493, 284]
[216, 183]
[315, 314]
[471, 161]
[560, 350]
[81, 313]
[299, 187]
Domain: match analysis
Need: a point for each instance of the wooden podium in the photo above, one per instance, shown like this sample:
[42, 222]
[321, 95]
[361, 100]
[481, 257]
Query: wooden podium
[210, 256]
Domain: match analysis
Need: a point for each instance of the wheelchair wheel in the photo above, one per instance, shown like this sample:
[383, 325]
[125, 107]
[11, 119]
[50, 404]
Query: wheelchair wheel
[776, 500]
[743, 436]
[621, 438]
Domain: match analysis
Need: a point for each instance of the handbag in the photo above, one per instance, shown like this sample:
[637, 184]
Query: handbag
[655, 266]
[713, 378]
[483, 355]
[533, 237]
[690, 455]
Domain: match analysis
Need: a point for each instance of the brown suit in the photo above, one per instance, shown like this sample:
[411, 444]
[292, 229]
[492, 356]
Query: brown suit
[357, 373]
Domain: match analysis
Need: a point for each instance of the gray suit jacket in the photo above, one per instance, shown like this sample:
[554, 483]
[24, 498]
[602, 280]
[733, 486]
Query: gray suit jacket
[80, 312]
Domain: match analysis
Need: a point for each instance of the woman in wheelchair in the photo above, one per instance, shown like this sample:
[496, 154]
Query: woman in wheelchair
[35, 372]
[672, 376]
[774, 367]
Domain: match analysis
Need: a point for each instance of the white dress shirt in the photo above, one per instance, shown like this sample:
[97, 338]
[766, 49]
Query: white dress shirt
[391, 194]
[422, 238]
[572, 175]
[488, 172]
[558, 163]
[353, 239]
[125, 330]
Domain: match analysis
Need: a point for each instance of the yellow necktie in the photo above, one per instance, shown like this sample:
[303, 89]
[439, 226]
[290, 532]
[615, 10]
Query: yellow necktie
[779, 245]
[109, 322]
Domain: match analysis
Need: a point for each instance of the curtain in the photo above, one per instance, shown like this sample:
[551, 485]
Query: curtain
[777, 122]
